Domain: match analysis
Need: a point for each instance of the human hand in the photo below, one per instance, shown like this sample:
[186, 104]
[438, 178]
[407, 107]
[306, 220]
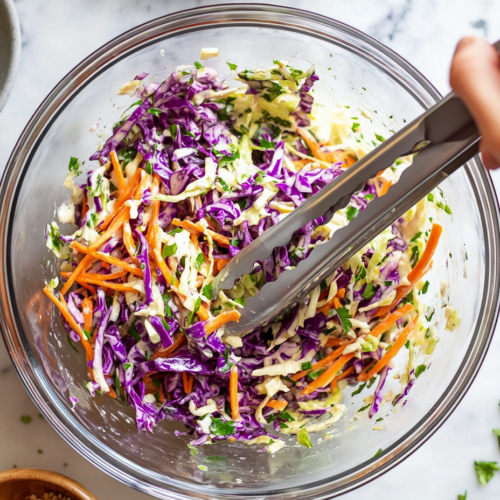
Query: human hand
[475, 77]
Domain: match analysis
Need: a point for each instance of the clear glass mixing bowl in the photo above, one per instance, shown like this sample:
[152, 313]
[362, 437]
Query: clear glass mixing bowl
[363, 72]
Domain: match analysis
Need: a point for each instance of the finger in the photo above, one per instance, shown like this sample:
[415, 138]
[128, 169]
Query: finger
[489, 160]
[475, 77]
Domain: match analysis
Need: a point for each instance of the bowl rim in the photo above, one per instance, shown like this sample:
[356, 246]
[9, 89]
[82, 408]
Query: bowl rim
[54, 478]
[62, 421]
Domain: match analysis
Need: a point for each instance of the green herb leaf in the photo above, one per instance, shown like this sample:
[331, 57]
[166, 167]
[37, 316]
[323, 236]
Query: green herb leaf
[351, 212]
[132, 331]
[223, 184]
[73, 166]
[220, 428]
[371, 382]
[485, 471]
[155, 111]
[126, 366]
[355, 126]
[416, 237]
[359, 389]
[430, 197]
[215, 458]
[231, 66]
[284, 415]
[199, 261]
[273, 92]
[87, 334]
[169, 250]
[369, 292]
[149, 168]
[364, 408]
[306, 366]
[463, 497]
[378, 453]
[387, 283]
[303, 438]
[207, 291]
[425, 288]
[195, 311]
[25, 419]
[314, 375]
[166, 298]
[407, 344]
[198, 65]
[369, 196]
[379, 138]
[344, 317]
[419, 370]
[361, 274]
[267, 144]
[240, 301]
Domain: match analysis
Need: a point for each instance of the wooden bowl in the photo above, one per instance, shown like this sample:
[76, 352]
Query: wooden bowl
[17, 484]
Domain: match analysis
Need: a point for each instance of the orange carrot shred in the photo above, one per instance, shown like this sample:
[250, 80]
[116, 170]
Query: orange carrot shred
[344, 374]
[312, 144]
[113, 286]
[104, 277]
[128, 239]
[169, 350]
[221, 319]
[277, 405]
[113, 227]
[233, 393]
[61, 304]
[396, 346]
[118, 171]
[203, 313]
[88, 310]
[187, 382]
[329, 374]
[82, 267]
[107, 258]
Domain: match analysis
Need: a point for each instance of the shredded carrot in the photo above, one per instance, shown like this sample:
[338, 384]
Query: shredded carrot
[329, 374]
[300, 163]
[124, 196]
[88, 310]
[113, 227]
[335, 302]
[376, 332]
[104, 277]
[199, 281]
[384, 188]
[85, 207]
[82, 267]
[420, 269]
[122, 287]
[344, 374]
[335, 342]
[187, 382]
[312, 144]
[221, 319]
[396, 346]
[90, 288]
[61, 304]
[165, 271]
[112, 393]
[221, 264]
[233, 393]
[390, 320]
[277, 405]
[118, 171]
[199, 229]
[203, 313]
[153, 221]
[107, 258]
[181, 339]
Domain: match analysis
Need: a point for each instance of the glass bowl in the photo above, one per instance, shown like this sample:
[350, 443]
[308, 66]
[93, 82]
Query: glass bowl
[354, 69]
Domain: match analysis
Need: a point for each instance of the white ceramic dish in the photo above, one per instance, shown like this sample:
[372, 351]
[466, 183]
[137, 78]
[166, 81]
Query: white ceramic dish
[10, 48]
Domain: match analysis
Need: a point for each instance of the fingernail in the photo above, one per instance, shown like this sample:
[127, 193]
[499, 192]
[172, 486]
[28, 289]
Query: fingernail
[465, 42]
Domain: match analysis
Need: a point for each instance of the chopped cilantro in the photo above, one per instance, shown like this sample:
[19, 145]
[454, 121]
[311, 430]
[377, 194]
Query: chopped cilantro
[359, 389]
[223, 184]
[351, 212]
[379, 138]
[485, 471]
[306, 366]
[207, 291]
[73, 166]
[169, 250]
[25, 419]
[155, 111]
[419, 370]
[198, 65]
[231, 66]
[425, 288]
[220, 428]
[369, 292]
[344, 317]
[430, 197]
[199, 260]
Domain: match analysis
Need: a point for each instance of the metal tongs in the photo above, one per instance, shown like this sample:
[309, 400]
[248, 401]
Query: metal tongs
[442, 140]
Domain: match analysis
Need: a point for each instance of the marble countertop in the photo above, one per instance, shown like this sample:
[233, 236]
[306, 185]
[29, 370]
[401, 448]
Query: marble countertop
[57, 35]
